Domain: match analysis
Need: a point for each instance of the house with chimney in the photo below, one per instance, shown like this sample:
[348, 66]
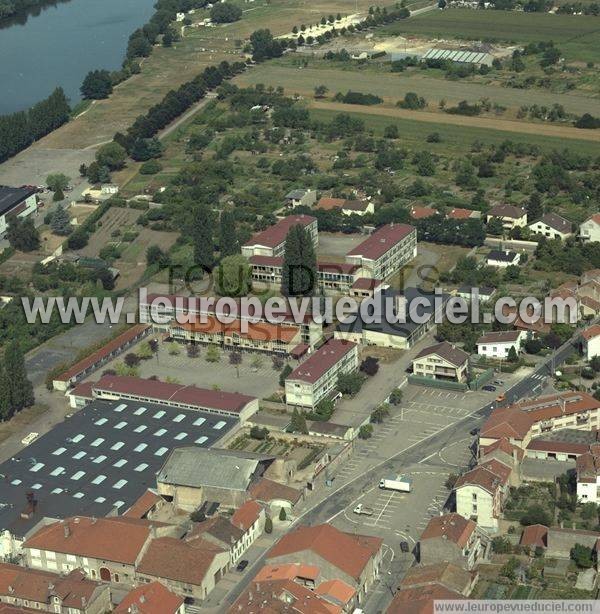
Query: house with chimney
[452, 538]
[72, 593]
[152, 598]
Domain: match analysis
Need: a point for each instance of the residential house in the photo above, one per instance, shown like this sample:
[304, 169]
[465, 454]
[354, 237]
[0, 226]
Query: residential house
[151, 598]
[385, 252]
[352, 558]
[301, 198]
[250, 519]
[481, 492]
[16, 202]
[452, 538]
[107, 549]
[497, 345]
[590, 341]
[41, 590]
[552, 226]
[316, 378]
[271, 242]
[588, 475]
[505, 452]
[529, 418]
[419, 212]
[534, 536]
[510, 216]
[502, 258]
[275, 495]
[421, 599]
[464, 214]
[448, 575]
[442, 361]
[590, 229]
[347, 207]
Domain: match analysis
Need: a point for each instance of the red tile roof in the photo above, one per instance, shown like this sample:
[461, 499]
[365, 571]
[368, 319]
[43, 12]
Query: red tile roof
[453, 526]
[266, 490]
[336, 591]
[289, 571]
[595, 218]
[178, 393]
[461, 214]
[318, 363]
[591, 332]
[535, 535]
[83, 390]
[328, 203]
[244, 517]
[174, 559]
[505, 446]
[112, 346]
[420, 600]
[153, 598]
[382, 240]
[447, 574]
[516, 420]
[420, 213]
[275, 235]
[143, 505]
[490, 476]
[545, 445]
[349, 553]
[117, 538]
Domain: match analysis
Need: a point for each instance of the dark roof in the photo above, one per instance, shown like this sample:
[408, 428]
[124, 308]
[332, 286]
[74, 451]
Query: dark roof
[557, 222]
[501, 336]
[501, 255]
[173, 393]
[447, 351]
[506, 210]
[275, 235]
[382, 240]
[321, 361]
[295, 194]
[399, 329]
[13, 197]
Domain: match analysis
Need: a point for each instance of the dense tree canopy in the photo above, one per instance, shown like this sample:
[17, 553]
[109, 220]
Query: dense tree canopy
[97, 85]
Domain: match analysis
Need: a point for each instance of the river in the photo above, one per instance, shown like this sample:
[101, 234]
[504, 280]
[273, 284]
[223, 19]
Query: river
[61, 44]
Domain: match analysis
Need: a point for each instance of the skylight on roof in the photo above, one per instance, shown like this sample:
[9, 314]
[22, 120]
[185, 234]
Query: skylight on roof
[99, 479]
[141, 467]
[78, 495]
[141, 447]
[219, 425]
[36, 467]
[58, 451]
[100, 499]
[78, 475]
[161, 451]
[121, 425]
[201, 440]
[120, 463]
[199, 421]
[180, 436]
[79, 455]
[100, 459]
[159, 414]
[101, 421]
[160, 432]
[77, 438]
[58, 471]
[118, 504]
[141, 428]
[178, 417]
[140, 410]
[36, 486]
[16, 482]
[117, 446]
[97, 442]
[120, 407]
[57, 491]
[118, 485]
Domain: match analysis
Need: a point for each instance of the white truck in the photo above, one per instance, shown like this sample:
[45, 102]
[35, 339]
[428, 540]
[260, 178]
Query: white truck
[399, 483]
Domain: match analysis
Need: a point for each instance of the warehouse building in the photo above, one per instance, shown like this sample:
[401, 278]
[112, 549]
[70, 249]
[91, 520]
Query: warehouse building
[461, 56]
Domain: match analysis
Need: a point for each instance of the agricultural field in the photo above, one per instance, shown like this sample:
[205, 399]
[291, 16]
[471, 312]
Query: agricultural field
[577, 36]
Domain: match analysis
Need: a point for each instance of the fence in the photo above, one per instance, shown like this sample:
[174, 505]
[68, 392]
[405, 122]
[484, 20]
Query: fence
[436, 383]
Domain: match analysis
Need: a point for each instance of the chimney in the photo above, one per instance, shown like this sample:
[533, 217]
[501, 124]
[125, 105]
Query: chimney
[94, 520]
[50, 587]
[83, 602]
[142, 598]
[66, 529]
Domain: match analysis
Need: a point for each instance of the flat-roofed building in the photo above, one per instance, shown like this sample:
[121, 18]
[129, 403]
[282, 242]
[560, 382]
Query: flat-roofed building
[316, 378]
[271, 241]
[386, 251]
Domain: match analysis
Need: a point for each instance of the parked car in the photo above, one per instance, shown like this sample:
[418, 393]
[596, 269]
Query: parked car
[404, 547]
[489, 388]
[242, 565]
[29, 438]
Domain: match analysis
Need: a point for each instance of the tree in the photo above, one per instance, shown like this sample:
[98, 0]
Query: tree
[225, 12]
[228, 240]
[298, 422]
[299, 274]
[365, 431]
[174, 349]
[391, 132]
[396, 397]
[512, 354]
[61, 222]
[494, 226]
[57, 181]
[131, 360]
[534, 207]
[268, 525]
[533, 346]
[235, 358]
[451, 481]
[370, 365]
[509, 568]
[22, 234]
[213, 354]
[96, 85]
[169, 37]
[202, 237]
[501, 545]
[282, 514]
[112, 156]
[277, 363]
[321, 91]
[412, 101]
[379, 414]
[582, 556]
[233, 276]
[193, 350]
[18, 385]
[146, 149]
[535, 514]
[256, 432]
[284, 373]
[349, 383]
[155, 255]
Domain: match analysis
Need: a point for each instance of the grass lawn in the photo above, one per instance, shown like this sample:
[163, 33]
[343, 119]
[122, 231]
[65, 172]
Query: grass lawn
[20, 420]
[577, 36]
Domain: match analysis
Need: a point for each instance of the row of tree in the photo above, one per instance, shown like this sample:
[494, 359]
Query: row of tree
[16, 391]
[19, 130]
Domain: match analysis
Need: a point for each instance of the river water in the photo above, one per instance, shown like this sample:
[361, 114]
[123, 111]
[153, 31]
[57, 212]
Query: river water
[61, 45]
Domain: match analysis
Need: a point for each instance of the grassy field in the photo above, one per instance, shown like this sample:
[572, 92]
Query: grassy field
[577, 36]
[394, 86]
